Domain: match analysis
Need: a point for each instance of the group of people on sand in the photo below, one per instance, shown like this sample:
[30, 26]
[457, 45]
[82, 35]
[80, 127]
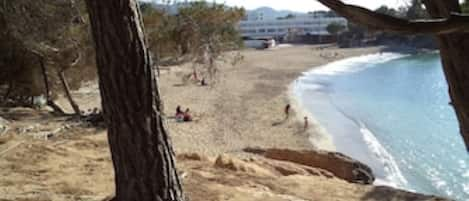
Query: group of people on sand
[183, 116]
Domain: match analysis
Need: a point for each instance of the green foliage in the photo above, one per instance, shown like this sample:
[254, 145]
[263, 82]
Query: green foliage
[198, 28]
[416, 10]
[387, 11]
[335, 28]
[465, 7]
[211, 24]
[51, 32]
[289, 16]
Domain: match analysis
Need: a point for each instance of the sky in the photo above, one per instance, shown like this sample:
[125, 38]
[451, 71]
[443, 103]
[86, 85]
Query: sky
[304, 5]
[308, 5]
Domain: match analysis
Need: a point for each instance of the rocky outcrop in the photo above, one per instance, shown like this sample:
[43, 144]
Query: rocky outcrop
[192, 156]
[285, 168]
[234, 164]
[338, 164]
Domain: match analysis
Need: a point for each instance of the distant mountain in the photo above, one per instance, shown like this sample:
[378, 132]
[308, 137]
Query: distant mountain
[270, 13]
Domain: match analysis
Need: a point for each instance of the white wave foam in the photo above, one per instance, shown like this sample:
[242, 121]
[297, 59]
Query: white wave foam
[462, 164]
[354, 64]
[466, 188]
[312, 87]
[394, 176]
[322, 140]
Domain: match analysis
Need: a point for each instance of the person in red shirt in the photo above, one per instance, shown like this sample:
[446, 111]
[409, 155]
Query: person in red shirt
[187, 115]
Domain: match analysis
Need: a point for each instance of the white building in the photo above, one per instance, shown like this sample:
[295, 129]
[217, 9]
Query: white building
[256, 26]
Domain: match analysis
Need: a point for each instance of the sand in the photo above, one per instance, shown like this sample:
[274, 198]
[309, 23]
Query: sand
[238, 111]
[245, 108]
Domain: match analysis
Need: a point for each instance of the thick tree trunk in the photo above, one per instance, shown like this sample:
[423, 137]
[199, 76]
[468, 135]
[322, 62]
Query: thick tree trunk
[68, 94]
[140, 146]
[456, 67]
[453, 51]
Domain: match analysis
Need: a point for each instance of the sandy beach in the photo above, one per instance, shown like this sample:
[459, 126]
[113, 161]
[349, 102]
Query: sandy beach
[245, 108]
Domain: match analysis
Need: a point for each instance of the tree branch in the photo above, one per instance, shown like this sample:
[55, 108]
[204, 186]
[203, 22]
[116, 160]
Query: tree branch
[363, 16]
[76, 60]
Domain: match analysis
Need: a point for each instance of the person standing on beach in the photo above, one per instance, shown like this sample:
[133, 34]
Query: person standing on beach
[287, 111]
[306, 124]
[194, 74]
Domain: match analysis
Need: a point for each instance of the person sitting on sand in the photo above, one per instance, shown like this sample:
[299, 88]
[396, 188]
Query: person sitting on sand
[287, 111]
[179, 114]
[187, 116]
[178, 110]
[202, 82]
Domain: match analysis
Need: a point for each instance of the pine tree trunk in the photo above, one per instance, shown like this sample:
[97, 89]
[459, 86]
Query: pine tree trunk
[140, 146]
[453, 51]
[68, 94]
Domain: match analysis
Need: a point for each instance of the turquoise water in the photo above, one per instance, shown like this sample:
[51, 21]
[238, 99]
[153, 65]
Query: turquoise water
[391, 111]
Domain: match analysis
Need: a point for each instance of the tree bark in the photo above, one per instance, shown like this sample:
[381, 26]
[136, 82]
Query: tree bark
[68, 94]
[452, 38]
[49, 100]
[453, 50]
[451, 23]
[141, 150]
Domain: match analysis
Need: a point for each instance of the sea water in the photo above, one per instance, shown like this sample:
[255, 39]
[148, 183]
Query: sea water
[391, 111]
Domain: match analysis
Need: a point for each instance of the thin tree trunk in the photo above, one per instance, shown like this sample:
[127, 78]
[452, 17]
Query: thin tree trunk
[8, 92]
[49, 100]
[68, 94]
[141, 150]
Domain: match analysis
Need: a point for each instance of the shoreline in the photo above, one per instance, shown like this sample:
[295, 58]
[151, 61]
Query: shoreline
[391, 172]
[318, 136]
[243, 108]
[367, 148]
[240, 109]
